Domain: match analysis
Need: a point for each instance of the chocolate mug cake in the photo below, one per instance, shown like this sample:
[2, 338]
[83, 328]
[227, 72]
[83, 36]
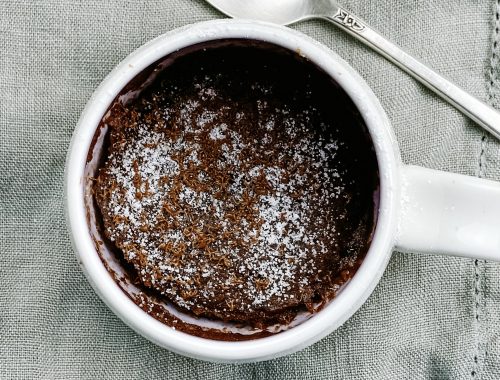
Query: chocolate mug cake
[238, 184]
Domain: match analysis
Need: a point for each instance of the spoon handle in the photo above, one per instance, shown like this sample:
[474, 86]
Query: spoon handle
[483, 114]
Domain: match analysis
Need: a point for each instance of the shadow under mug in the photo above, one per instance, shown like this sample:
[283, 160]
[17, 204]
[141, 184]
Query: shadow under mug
[421, 210]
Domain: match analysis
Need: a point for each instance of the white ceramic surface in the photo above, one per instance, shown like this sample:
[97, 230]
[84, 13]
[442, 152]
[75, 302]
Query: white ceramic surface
[415, 204]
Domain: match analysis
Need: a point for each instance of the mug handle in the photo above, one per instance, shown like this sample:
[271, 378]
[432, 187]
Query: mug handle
[449, 214]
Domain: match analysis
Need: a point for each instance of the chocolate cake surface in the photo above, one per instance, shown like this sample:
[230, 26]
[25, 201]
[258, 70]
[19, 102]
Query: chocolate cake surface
[240, 184]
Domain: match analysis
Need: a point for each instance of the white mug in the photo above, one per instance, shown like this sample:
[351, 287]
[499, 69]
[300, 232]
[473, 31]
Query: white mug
[421, 210]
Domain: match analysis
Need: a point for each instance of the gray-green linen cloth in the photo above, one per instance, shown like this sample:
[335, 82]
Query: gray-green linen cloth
[430, 317]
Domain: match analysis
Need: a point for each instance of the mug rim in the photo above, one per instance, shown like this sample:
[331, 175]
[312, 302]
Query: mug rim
[345, 303]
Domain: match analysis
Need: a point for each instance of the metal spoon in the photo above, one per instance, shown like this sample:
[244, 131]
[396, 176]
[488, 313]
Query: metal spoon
[287, 12]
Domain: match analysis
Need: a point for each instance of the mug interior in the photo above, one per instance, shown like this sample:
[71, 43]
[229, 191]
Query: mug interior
[303, 331]
[126, 276]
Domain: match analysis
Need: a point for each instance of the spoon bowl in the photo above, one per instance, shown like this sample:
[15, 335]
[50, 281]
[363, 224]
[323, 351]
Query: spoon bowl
[284, 12]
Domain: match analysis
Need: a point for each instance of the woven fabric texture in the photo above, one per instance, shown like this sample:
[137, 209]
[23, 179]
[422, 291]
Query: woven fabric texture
[431, 317]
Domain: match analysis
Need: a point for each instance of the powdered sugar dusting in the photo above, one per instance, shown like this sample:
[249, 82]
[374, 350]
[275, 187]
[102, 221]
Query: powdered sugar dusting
[223, 212]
